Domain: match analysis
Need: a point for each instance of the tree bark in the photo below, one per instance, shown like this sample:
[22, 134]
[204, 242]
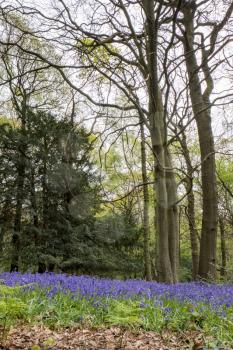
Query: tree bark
[172, 214]
[146, 226]
[191, 207]
[167, 227]
[201, 110]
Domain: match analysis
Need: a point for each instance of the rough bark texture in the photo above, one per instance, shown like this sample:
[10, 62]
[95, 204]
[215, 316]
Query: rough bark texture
[201, 110]
[146, 225]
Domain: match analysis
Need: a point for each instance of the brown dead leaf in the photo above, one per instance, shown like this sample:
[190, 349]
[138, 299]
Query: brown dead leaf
[115, 338]
[198, 346]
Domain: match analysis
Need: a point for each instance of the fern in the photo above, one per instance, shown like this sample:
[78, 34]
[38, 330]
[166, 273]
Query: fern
[11, 308]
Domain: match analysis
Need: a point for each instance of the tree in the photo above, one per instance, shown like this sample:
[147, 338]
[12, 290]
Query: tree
[194, 239]
[144, 69]
[119, 70]
[202, 112]
[146, 224]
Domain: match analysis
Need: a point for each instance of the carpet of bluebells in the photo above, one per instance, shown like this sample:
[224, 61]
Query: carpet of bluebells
[85, 286]
[59, 299]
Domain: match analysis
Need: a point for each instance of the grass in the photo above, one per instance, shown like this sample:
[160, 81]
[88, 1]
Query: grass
[35, 306]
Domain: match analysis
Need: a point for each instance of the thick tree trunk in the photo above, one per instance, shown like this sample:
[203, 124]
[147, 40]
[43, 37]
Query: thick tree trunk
[164, 262]
[146, 226]
[201, 110]
[167, 227]
[223, 248]
[191, 207]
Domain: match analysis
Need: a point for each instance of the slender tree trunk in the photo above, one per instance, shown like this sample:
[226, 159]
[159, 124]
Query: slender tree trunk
[191, 207]
[34, 202]
[146, 226]
[45, 187]
[193, 231]
[18, 211]
[21, 169]
[68, 165]
[172, 214]
[45, 205]
[165, 194]
[6, 222]
[201, 110]
[155, 225]
[223, 247]
[35, 219]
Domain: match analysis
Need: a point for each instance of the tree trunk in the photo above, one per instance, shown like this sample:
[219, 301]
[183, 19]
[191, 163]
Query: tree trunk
[45, 187]
[172, 214]
[35, 219]
[164, 262]
[6, 222]
[45, 207]
[191, 207]
[18, 211]
[165, 194]
[201, 110]
[146, 226]
[33, 201]
[223, 247]
[193, 230]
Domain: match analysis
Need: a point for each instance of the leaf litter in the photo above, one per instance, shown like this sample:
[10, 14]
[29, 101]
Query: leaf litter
[114, 338]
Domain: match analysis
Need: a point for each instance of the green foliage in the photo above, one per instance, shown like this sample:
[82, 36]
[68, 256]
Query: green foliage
[12, 308]
[92, 51]
[59, 195]
[63, 310]
[185, 263]
[36, 347]
[225, 170]
[61, 226]
[124, 313]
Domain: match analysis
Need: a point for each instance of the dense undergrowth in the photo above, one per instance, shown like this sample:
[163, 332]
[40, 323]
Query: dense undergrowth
[66, 301]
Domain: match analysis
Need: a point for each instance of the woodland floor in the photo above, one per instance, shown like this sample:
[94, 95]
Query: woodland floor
[114, 338]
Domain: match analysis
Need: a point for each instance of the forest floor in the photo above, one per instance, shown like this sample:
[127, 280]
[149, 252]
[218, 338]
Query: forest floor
[114, 338]
[57, 312]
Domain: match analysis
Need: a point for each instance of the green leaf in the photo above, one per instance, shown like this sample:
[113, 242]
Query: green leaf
[36, 347]
[50, 342]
